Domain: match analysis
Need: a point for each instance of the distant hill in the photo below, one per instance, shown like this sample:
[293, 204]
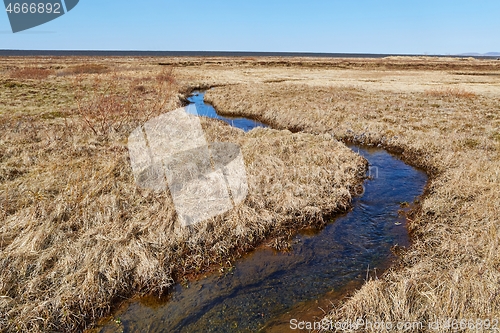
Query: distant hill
[474, 54]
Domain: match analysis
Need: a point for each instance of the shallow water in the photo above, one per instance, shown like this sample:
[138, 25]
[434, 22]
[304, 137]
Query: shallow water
[206, 110]
[266, 289]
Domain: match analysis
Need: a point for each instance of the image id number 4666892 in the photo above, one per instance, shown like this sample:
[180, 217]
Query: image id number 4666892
[33, 8]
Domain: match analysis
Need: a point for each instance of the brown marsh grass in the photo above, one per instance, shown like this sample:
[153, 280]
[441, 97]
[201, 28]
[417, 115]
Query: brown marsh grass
[452, 269]
[33, 73]
[450, 92]
[84, 69]
[77, 235]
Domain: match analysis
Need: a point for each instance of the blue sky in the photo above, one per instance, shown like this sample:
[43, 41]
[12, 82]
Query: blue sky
[357, 26]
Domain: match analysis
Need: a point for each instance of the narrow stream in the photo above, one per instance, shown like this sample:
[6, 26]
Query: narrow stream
[267, 289]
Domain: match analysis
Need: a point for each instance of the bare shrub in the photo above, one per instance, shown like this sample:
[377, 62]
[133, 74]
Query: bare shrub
[166, 76]
[111, 106]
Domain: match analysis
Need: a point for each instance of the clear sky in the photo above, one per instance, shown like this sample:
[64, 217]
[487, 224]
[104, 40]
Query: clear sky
[343, 26]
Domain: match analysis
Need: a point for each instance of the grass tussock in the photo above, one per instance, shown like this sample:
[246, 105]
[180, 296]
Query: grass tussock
[452, 269]
[77, 234]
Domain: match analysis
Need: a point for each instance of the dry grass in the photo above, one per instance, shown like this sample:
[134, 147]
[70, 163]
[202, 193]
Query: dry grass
[451, 92]
[77, 234]
[470, 66]
[32, 73]
[109, 106]
[84, 69]
[452, 269]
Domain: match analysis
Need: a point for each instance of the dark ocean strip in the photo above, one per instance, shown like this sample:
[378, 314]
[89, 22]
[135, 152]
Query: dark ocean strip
[90, 53]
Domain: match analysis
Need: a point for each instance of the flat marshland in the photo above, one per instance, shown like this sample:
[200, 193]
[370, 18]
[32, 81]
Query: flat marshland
[77, 235]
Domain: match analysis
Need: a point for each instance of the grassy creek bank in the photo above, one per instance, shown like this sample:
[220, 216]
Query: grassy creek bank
[266, 289]
[452, 269]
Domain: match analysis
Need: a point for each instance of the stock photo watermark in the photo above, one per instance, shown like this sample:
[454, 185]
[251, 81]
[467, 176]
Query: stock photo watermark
[24, 15]
[361, 324]
[204, 179]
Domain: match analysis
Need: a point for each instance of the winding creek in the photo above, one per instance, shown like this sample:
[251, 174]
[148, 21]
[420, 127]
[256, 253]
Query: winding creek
[266, 288]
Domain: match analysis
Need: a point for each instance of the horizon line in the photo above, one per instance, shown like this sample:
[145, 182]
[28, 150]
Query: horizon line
[15, 52]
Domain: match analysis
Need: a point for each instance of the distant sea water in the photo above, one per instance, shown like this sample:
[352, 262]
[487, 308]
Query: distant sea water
[90, 53]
